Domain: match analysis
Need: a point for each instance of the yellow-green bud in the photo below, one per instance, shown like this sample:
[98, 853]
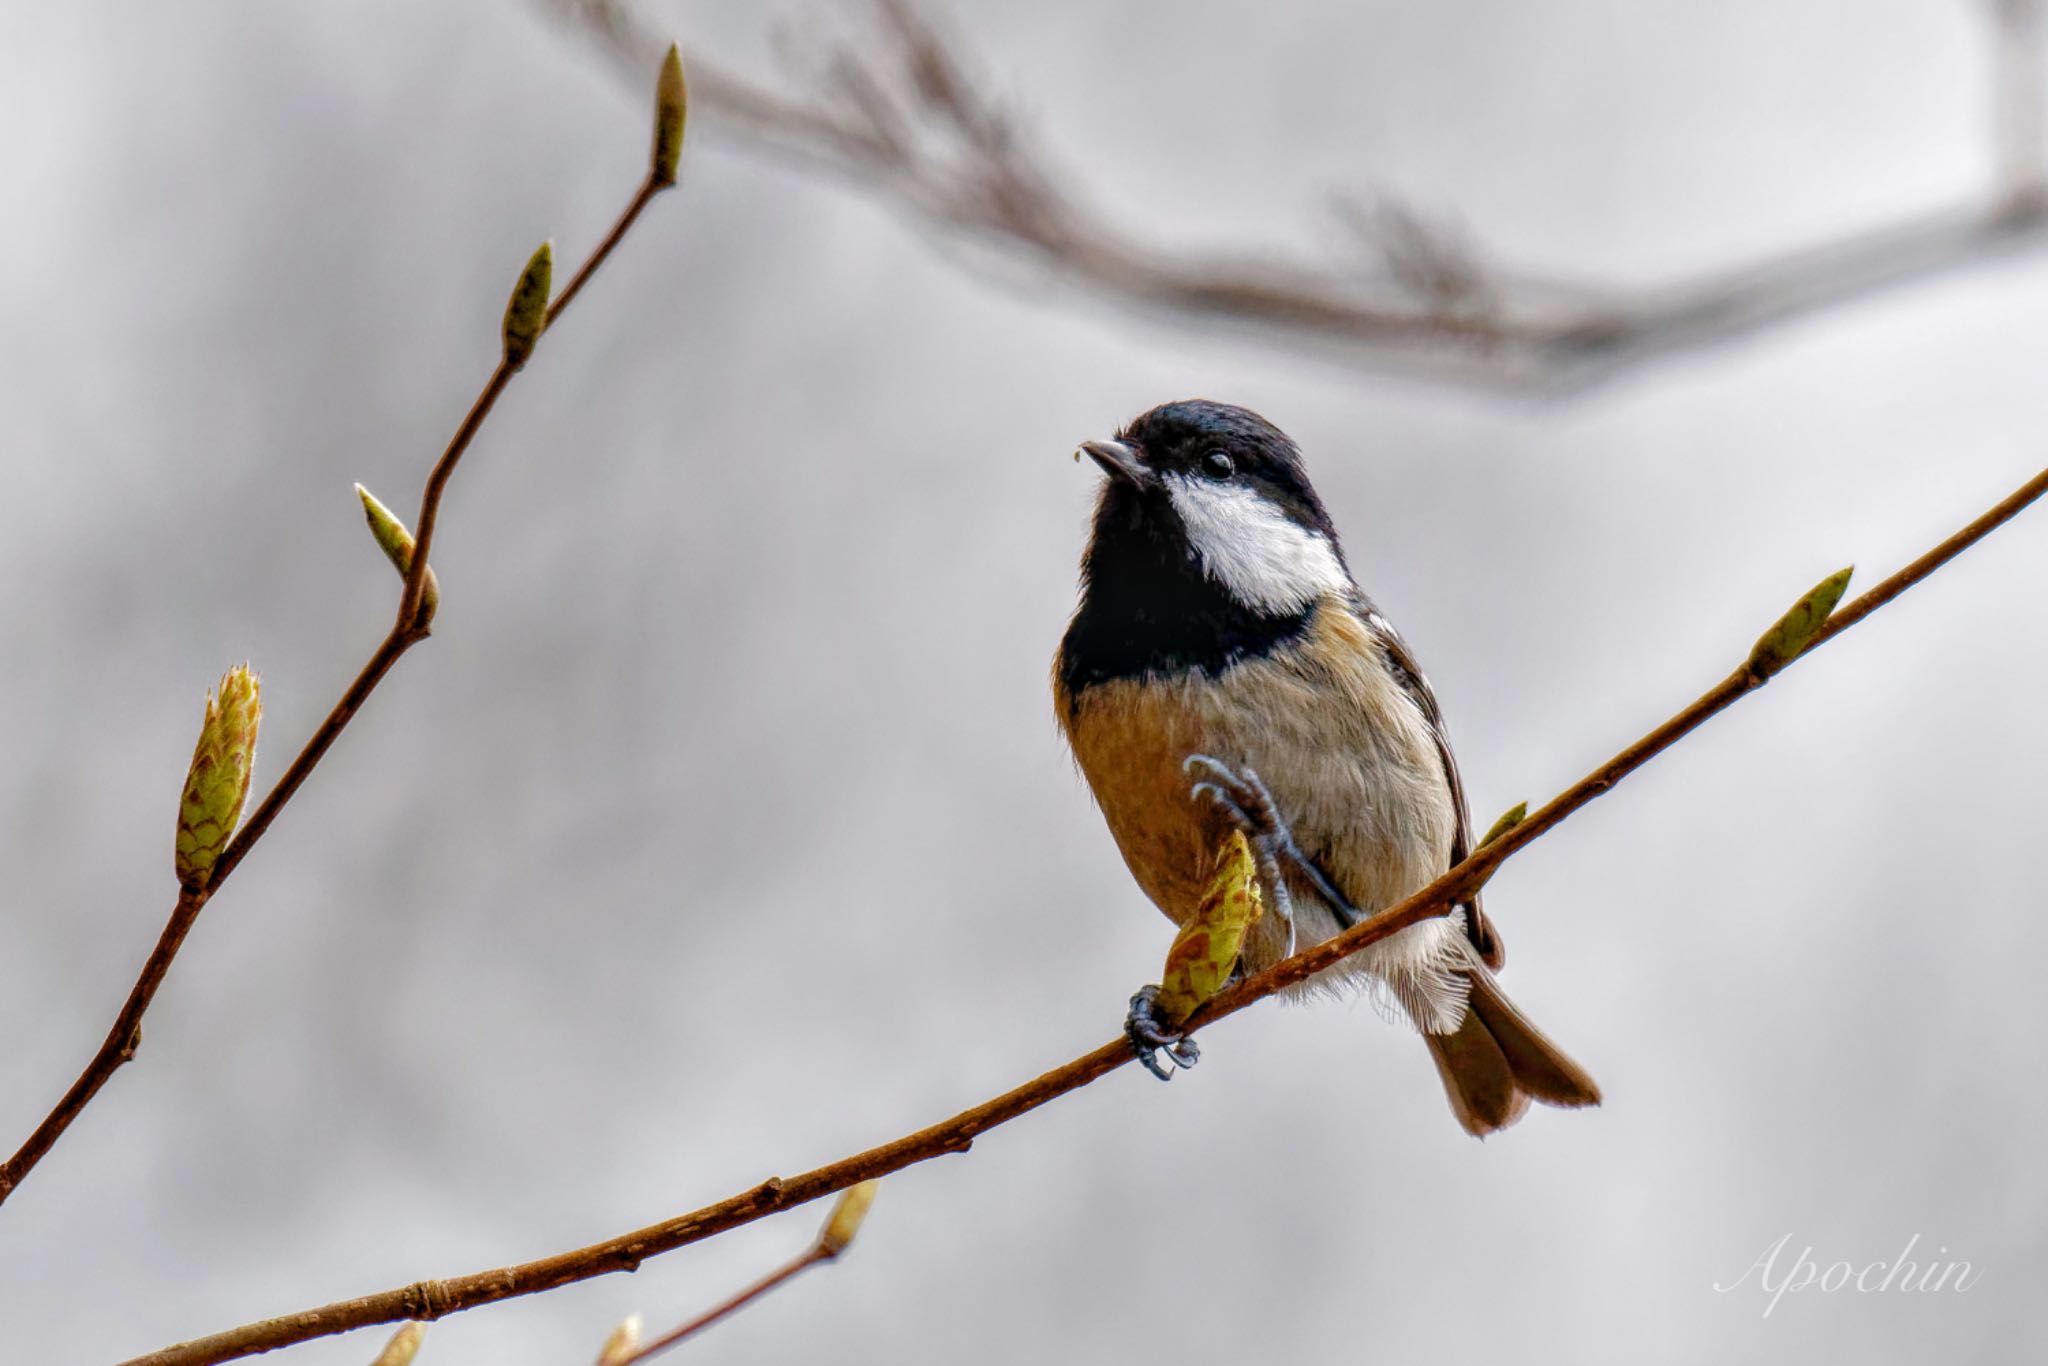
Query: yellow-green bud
[526, 313]
[1794, 631]
[218, 782]
[1206, 948]
[671, 107]
[1509, 819]
[404, 1345]
[396, 542]
[846, 1217]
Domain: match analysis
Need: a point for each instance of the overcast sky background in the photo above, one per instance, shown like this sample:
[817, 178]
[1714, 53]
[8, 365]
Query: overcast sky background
[723, 828]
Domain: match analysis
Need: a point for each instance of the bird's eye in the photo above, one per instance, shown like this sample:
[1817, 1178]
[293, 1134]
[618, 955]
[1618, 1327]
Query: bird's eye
[1218, 465]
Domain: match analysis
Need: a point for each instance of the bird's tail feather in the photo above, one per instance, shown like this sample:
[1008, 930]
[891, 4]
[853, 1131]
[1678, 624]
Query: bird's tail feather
[1496, 1062]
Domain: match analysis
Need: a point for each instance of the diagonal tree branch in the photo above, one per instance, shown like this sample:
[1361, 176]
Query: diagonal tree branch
[900, 114]
[411, 626]
[1801, 630]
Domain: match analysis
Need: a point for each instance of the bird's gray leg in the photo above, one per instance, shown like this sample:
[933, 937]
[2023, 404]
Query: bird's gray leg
[1245, 799]
[1249, 805]
[1150, 1036]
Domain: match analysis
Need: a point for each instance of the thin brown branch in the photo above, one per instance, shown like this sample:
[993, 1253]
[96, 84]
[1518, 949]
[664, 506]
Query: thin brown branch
[648, 189]
[897, 114]
[444, 468]
[408, 629]
[433, 1299]
[119, 1046]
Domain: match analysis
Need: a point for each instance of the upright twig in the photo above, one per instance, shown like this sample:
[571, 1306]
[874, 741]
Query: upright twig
[1808, 625]
[526, 318]
[898, 114]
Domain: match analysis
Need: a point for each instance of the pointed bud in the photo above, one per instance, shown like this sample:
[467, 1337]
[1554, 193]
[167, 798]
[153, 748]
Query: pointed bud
[404, 1345]
[218, 782]
[1509, 819]
[396, 543]
[526, 314]
[1794, 631]
[623, 1343]
[671, 105]
[1206, 947]
[846, 1218]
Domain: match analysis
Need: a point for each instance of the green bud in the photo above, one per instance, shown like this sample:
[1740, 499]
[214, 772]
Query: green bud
[1794, 631]
[671, 105]
[526, 313]
[217, 784]
[1509, 819]
[397, 543]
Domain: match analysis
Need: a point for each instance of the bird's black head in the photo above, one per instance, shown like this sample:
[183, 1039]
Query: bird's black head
[1223, 446]
[1209, 544]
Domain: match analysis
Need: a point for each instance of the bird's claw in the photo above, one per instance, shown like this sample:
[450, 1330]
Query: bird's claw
[1242, 794]
[1250, 806]
[1150, 1036]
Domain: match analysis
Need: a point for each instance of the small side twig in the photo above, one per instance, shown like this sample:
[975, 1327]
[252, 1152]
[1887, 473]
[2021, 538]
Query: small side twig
[832, 1240]
[411, 626]
[956, 1135]
[809, 1258]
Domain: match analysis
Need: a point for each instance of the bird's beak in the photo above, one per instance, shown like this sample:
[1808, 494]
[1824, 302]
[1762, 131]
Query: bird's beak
[1119, 462]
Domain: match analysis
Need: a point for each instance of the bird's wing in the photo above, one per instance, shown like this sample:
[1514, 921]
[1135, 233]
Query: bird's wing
[1402, 661]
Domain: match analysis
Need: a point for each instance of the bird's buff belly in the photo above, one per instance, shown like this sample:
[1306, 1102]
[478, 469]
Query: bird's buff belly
[1358, 782]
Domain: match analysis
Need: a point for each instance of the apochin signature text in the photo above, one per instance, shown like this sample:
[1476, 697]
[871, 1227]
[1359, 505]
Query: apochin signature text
[1869, 1278]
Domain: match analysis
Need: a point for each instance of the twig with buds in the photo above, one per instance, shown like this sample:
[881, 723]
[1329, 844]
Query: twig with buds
[209, 847]
[1811, 622]
[623, 1347]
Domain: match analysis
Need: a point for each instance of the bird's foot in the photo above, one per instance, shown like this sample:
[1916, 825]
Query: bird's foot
[1151, 1035]
[1250, 806]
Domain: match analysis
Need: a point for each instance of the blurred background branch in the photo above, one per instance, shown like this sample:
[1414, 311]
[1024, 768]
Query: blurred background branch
[902, 110]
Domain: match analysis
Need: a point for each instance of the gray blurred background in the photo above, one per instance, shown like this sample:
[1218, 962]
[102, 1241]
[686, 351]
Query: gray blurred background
[722, 828]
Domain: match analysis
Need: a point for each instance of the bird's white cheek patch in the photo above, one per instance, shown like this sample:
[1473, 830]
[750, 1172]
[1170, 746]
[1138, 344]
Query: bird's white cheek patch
[1250, 547]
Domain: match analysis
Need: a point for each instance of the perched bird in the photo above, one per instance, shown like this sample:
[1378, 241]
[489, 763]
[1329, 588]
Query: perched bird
[1224, 670]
